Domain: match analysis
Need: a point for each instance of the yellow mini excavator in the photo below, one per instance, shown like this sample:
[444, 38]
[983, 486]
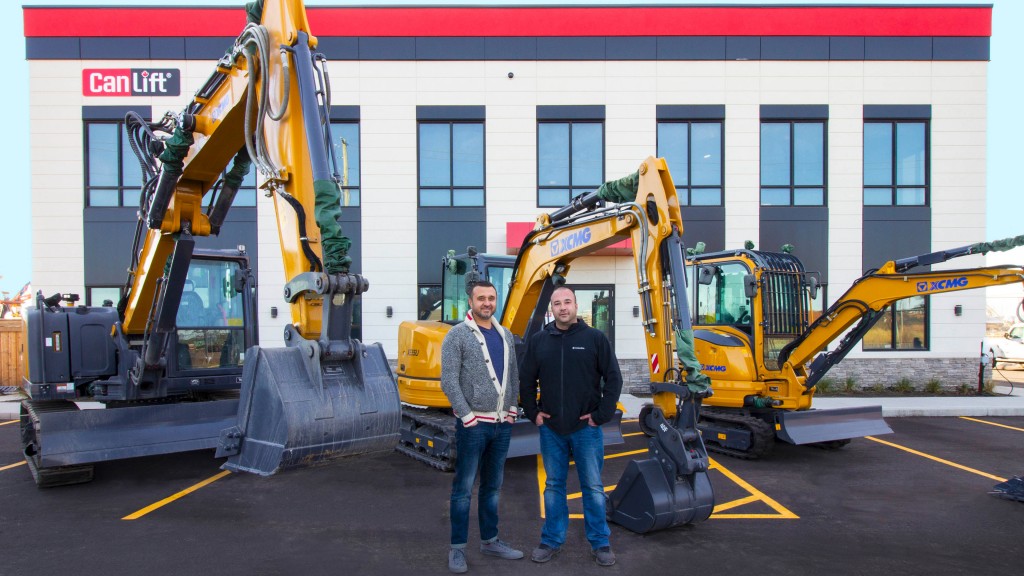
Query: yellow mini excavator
[756, 338]
[176, 365]
[671, 486]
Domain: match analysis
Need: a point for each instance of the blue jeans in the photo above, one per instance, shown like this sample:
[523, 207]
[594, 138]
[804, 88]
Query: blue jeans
[587, 446]
[480, 449]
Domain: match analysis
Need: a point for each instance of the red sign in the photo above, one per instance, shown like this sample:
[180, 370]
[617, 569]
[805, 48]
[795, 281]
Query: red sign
[131, 82]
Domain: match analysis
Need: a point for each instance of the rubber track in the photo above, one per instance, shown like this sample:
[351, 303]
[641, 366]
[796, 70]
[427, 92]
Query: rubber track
[761, 431]
[438, 421]
[56, 475]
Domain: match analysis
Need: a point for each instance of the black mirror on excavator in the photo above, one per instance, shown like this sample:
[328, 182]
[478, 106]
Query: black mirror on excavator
[812, 286]
[706, 274]
[750, 285]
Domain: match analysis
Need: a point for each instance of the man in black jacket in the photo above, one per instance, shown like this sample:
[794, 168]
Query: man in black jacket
[579, 382]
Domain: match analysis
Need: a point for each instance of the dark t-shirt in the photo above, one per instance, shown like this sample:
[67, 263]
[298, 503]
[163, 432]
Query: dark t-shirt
[496, 348]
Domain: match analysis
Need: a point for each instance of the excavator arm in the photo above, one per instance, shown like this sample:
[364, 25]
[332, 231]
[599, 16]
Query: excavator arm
[873, 293]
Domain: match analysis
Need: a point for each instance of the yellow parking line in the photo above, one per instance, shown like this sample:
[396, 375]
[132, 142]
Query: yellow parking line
[735, 503]
[986, 422]
[9, 466]
[783, 512]
[632, 434]
[937, 459]
[140, 513]
[9, 422]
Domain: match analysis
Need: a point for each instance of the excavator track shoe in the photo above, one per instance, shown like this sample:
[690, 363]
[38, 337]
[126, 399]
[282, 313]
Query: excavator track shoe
[296, 412]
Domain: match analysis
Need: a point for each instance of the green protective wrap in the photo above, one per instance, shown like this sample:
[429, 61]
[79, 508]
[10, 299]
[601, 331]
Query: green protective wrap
[696, 381]
[175, 149]
[254, 11]
[239, 169]
[328, 213]
[998, 245]
[621, 190]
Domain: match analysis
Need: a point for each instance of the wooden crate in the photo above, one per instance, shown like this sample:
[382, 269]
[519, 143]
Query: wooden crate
[12, 359]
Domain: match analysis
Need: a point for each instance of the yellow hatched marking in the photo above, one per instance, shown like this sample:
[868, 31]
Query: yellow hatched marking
[755, 495]
[9, 466]
[632, 434]
[993, 424]
[9, 422]
[937, 459]
[140, 513]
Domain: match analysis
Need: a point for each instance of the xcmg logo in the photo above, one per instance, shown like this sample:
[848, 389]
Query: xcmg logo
[131, 82]
[570, 242]
[946, 284]
[712, 367]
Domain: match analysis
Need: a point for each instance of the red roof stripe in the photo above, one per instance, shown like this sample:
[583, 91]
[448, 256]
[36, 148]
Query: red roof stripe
[529, 21]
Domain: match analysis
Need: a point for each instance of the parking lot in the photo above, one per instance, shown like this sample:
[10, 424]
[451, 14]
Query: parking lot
[913, 502]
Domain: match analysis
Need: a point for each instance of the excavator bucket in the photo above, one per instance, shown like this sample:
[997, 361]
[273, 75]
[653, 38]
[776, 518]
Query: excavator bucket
[812, 426]
[671, 487]
[294, 412]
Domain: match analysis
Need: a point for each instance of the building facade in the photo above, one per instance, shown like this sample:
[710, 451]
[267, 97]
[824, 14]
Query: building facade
[855, 133]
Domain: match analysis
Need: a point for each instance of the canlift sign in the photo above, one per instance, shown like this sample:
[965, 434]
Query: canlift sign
[131, 82]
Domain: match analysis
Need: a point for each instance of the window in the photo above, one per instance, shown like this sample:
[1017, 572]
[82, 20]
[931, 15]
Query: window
[100, 295]
[722, 300]
[595, 305]
[246, 194]
[211, 319]
[451, 163]
[345, 136]
[904, 326]
[429, 302]
[793, 163]
[113, 176]
[895, 163]
[694, 153]
[570, 160]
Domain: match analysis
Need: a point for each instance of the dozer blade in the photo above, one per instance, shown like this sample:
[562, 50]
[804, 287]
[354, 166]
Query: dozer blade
[294, 412]
[810, 426]
[526, 438]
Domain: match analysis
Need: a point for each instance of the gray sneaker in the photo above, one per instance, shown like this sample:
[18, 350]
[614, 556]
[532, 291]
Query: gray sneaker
[543, 553]
[501, 550]
[457, 560]
[603, 556]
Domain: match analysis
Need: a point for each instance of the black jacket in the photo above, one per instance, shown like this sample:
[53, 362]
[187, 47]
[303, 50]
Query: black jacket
[570, 367]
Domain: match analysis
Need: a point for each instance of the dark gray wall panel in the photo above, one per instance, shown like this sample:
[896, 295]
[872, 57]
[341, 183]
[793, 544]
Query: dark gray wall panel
[691, 48]
[704, 224]
[351, 226]
[108, 235]
[115, 48]
[587, 112]
[335, 48]
[45, 48]
[743, 48]
[344, 112]
[207, 48]
[846, 48]
[510, 48]
[690, 112]
[387, 48]
[450, 48]
[451, 113]
[893, 232]
[443, 229]
[167, 48]
[898, 48]
[805, 227]
[114, 112]
[794, 111]
[897, 111]
[794, 48]
[564, 48]
[631, 48]
[960, 49]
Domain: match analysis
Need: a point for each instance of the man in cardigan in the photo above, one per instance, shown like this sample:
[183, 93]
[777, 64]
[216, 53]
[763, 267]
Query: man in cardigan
[479, 375]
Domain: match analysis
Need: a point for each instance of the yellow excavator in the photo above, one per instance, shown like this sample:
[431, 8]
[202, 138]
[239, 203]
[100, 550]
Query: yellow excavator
[757, 339]
[671, 486]
[176, 364]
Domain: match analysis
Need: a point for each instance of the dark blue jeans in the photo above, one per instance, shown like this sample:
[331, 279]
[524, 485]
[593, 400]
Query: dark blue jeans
[587, 447]
[481, 449]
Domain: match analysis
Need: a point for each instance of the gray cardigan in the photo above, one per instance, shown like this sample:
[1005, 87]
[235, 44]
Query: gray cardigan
[468, 380]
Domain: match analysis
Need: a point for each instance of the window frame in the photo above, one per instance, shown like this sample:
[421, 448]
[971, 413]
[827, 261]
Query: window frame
[689, 187]
[452, 187]
[890, 311]
[574, 191]
[122, 147]
[894, 187]
[792, 187]
[336, 123]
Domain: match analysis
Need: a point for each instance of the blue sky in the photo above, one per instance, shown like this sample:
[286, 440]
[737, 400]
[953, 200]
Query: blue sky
[1005, 124]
